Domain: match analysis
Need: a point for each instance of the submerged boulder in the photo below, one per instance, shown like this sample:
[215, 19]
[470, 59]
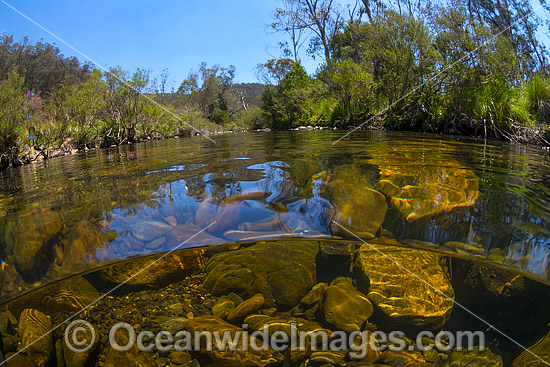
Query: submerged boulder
[229, 358]
[74, 358]
[529, 356]
[27, 239]
[149, 230]
[35, 334]
[409, 287]
[283, 271]
[246, 308]
[421, 179]
[357, 206]
[343, 307]
[475, 357]
[133, 357]
[81, 243]
[153, 273]
[223, 307]
[497, 282]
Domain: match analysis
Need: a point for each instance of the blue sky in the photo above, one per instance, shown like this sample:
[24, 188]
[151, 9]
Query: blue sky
[154, 34]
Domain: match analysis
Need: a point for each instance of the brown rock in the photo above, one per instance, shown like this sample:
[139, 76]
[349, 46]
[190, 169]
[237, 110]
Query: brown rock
[164, 271]
[228, 358]
[82, 359]
[246, 308]
[223, 307]
[364, 214]
[283, 271]
[134, 357]
[400, 296]
[36, 337]
[422, 180]
[344, 307]
[527, 358]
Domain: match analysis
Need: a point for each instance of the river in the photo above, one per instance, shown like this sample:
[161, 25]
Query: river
[470, 216]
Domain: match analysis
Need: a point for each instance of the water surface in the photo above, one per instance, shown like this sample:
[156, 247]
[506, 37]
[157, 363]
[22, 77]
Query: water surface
[460, 196]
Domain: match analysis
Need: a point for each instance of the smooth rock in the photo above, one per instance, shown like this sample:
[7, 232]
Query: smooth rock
[326, 358]
[35, 336]
[283, 271]
[180, 358]
[401, 298]
[246, 308]
[403, 358]
[363, 215]
[229, 216]
[270, 325]
[155, 244]
[82, 359]
[134, 357]
[25, 241]
[314, 295]
[541, 349]
[174, 324]
[223, 307]
[476, 357]
[149, 230]
[228, 358]
[423, 180]
[343, 307]
[169, 269]
[49, 223]
[81, 243]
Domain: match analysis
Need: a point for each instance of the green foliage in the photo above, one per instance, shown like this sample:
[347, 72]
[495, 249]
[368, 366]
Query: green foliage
[76, 111]
[492, 102]
[352, 86]
[12, 116]
[289, 103]
[537, 97]
[251, 119]
[41, 65]
[211, 92]
[416, 66]
[90, 109]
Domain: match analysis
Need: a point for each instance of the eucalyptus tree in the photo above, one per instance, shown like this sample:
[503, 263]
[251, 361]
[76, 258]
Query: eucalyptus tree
[125, 102]
[319, 20]
[211, 91]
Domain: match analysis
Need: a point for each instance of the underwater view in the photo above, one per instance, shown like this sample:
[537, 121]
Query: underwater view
[421, 237]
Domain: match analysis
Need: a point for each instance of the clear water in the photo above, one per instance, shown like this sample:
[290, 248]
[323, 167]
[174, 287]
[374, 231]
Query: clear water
[470, 201]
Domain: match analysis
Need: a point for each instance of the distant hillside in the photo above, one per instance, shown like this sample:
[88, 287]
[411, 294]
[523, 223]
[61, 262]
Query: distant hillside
[253, 91]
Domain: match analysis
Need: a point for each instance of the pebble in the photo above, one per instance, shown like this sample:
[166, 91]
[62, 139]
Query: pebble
[180, 358]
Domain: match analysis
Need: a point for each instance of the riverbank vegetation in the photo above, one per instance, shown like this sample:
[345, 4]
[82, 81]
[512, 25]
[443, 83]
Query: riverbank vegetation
[472, 67]
[50, 104]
